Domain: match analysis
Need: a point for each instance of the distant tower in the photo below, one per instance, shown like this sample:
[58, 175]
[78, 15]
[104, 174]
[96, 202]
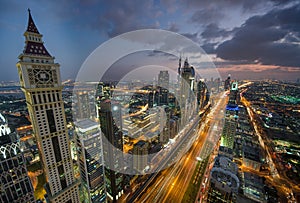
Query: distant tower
[227, 83]
[163, 87]
[201, 94]
[90, 158]
[163, 79]
[41, 83]
[187, 87]
[84, 105]
[15, 185]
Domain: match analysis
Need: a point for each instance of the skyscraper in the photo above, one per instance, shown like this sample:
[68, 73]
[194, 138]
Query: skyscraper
[233, 96]
[231, 116]
[15, 185]
[187, 73]
[111, 127]
[187, 87]
[84, 105]
[163, 79]
[90, 158]
[140, 155]
[201, 93]
[227, 83]
[163, 87]
[40, 81]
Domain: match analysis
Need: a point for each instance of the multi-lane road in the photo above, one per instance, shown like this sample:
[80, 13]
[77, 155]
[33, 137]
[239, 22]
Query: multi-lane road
[170, 185]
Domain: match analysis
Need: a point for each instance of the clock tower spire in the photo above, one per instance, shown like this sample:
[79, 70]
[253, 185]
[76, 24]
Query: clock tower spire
[34, 44]
[40, 81]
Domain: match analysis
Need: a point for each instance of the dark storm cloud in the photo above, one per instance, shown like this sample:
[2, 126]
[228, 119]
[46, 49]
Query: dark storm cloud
[221, 5]
[208, 11]
[213, 31]
[270, 39]
[281, 2]
[205, 12]
[124, 16]
[110, 17]
[209, 48]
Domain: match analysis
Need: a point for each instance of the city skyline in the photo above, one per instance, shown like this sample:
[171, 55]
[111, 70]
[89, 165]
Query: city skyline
[151, 116]
[257, 40]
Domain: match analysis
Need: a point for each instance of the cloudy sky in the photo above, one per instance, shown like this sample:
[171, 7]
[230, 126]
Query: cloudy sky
[249, 39]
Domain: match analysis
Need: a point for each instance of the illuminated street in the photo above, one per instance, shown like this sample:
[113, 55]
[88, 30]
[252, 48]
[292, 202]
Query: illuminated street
[277, 178]
[150, 101]
[171, 183]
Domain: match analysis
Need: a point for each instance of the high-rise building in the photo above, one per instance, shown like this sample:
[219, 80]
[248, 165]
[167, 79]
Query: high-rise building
[41, 83]
[228, 133]
[165, 125]
[140, 155]
[15, 185]
[90, 161]
[163, 87]
[187, 74]
[111, 127]
[231, 116]
[233, 96]
[84, 105]
[187, 87]
[227, 83]
[201, 94]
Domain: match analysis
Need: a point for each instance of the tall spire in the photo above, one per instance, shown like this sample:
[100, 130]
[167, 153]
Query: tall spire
[31, 26]
[34, 43]
[186, 63]
[179, 65]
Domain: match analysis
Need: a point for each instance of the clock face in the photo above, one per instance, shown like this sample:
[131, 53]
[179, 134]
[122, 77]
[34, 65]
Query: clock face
[43, 76]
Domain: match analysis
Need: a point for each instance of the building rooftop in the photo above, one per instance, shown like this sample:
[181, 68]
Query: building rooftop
[252, 152]
[141, 143]
[224, 174]
[86, 124]
[253, 186]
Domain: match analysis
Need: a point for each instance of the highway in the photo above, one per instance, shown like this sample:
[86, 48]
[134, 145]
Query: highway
[171, 184]
[181, 144]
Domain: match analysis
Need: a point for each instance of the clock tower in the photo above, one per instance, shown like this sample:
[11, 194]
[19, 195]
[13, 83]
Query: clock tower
[40, 81]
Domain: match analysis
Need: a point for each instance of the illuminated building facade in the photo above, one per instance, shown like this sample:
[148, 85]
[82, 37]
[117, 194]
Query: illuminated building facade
[186, 80]
[84, 105]
[90, 161]
[231, 116]
[15, 185]
[202, 94]
[140, 158]
[40, 81]
[111, 128]
[163, 88]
